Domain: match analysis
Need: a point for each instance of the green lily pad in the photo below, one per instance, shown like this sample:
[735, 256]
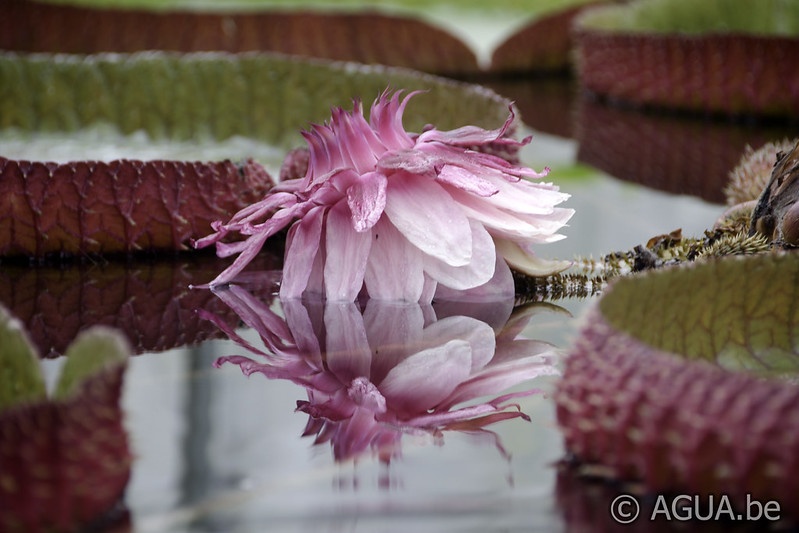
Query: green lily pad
[21, 380]
[216, 95]
[738, 313]
[92, 351]
[20, 376]
[79, 209]
[65, 461]
[766, 17]
[685, 380]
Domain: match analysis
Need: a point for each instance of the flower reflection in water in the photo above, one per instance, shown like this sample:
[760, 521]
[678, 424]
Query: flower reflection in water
[377, 370]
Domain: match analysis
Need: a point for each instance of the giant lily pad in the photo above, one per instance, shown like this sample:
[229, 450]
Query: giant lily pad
[124, 206]
[431, 36]
[64, 461]
[685, 379]
[717, 56]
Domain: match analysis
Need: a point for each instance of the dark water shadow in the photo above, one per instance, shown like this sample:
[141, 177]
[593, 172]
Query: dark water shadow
[150, 301]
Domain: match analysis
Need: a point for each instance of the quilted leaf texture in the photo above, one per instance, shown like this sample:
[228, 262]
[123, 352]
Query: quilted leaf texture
[119, 207]
[684, 379]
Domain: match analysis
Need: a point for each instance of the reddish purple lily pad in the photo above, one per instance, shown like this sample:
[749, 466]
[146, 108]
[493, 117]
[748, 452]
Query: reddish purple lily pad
[544, 45]
[365, 37]
[120, 207]
[732, 74]
[65, 461]
[684, 379]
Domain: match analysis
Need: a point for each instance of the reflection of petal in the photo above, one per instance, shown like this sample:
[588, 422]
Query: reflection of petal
[501, 377]
[424, 379]
[393, 369]
[302, 329]
[493, 311]
[390, 345]
[365, 394]
[253, 312]
[475, 416]
[478, 334]
[514, 325]
[348, 354]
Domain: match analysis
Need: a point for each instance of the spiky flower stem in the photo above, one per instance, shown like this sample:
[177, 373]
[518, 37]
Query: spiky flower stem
[588, 276]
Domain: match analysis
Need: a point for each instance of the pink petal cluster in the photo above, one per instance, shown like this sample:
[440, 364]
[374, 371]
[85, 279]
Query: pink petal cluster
[400, 215]
[393, 368]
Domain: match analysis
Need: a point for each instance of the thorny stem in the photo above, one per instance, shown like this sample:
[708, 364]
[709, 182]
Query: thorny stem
[588, 276]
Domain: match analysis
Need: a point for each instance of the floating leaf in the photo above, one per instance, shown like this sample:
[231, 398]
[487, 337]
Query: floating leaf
[20, 376]
[262, 96]
[737, 314]
[429, 36]
[542, 46]
[92, 352]
[768, 17]
[124, 206]
[64, 462]
[685, 379]
[362, 36]
[720, 56]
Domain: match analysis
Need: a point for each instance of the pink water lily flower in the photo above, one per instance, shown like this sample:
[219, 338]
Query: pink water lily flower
[401, 215]
[375, 374]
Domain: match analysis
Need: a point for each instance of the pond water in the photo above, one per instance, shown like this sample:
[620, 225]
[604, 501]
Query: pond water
[218, 451]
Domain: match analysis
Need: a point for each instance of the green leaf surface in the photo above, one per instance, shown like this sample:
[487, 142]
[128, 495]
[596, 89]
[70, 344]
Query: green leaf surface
[20, 375]
[92, 351]
[738, 312]
[270, 98]
[764, 17]
[420, 7]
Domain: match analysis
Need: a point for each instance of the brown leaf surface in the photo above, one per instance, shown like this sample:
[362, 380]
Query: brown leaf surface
[729, 74]
[542, 46]
[120, 207]
[365, 37]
